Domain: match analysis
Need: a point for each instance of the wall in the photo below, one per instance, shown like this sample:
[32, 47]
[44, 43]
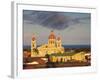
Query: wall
[5, 39]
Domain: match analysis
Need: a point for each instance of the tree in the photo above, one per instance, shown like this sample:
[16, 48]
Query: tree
[36, 51]
[47, 55]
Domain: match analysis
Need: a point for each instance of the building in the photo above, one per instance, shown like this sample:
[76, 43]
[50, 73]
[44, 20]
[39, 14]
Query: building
[79, 56]
[33, 46]
[68, 57]
[54, 45]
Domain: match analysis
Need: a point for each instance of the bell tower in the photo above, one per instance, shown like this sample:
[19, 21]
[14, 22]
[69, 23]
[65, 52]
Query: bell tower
[58, 42]
[33, 45]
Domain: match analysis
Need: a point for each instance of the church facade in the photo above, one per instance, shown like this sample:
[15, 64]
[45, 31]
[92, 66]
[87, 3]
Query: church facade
[54, 45]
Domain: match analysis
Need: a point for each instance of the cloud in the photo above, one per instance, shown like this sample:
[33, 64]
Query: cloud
[54, 20]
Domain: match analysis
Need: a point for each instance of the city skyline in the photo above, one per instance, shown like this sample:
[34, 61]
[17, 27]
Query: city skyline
[74, 28]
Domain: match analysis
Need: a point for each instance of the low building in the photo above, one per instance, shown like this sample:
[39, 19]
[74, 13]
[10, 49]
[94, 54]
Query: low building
[65, 57]
[79, 56]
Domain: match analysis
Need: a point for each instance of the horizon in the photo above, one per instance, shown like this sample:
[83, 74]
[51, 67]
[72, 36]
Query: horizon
[65, 46]
[68, 45]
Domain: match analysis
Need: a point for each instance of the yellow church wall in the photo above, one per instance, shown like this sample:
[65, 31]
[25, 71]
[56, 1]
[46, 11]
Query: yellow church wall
[68, 57]
[60, 59]
[43, 51]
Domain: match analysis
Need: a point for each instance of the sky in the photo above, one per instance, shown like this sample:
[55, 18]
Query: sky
[74, 28]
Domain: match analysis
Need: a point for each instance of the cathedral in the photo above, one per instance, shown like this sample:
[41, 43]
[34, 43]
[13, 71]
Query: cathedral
[54, 45]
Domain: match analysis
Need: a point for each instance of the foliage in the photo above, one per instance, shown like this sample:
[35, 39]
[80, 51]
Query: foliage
[36, 51]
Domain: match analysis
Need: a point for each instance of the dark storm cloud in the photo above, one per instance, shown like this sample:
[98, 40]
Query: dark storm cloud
[53, 20]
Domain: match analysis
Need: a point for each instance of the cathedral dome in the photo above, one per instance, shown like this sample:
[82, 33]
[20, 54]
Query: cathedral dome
[52, 35]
